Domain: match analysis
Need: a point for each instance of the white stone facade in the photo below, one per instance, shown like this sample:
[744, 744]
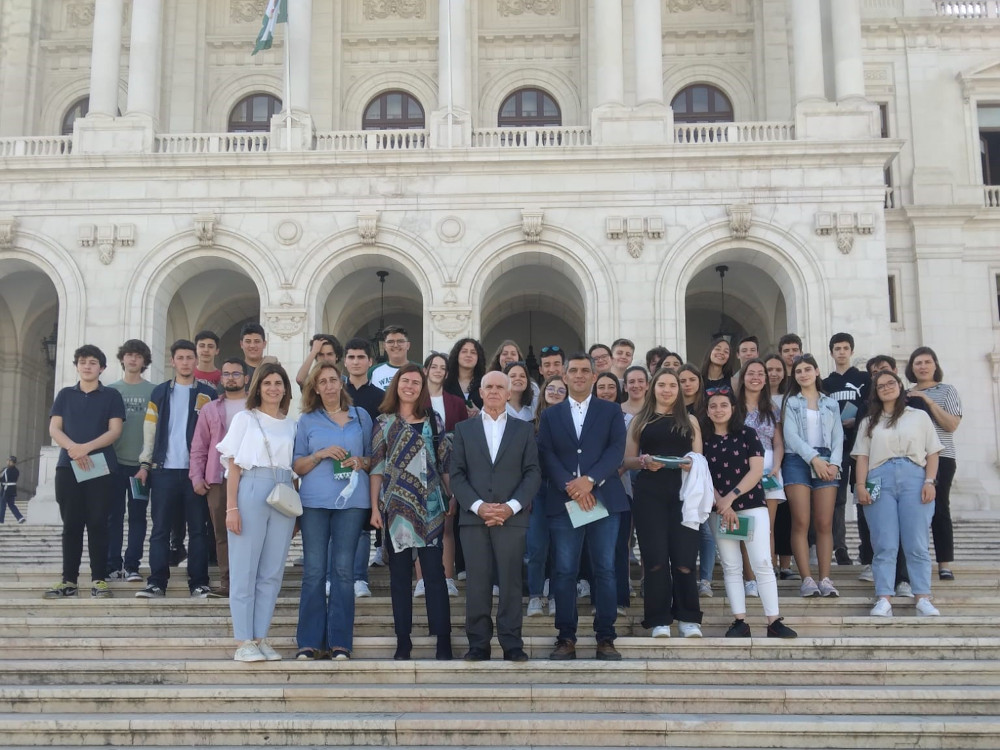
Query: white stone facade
[151, 221]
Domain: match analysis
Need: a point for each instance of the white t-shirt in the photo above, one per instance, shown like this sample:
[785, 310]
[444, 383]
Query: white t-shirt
[178, 454]
[382, 375]
[245, 441]
[437, 402]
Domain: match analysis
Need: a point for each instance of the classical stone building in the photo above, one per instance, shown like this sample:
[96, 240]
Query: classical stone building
[549, 170]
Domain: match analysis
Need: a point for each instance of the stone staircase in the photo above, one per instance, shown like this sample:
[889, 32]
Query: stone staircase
[122, 671]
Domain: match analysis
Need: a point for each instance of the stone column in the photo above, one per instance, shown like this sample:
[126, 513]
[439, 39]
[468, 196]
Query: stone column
[807, 45]
[292, 129]
[845, 18]
[648, 52]
[610, 60]
[105, 58]
[144, 59]
[451, 123]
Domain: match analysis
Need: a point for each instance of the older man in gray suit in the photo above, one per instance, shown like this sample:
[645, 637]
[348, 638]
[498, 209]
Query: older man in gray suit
[494, 474]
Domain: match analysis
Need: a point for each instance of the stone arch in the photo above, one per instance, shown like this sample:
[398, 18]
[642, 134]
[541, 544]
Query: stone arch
[558, 249]
[418, 85]
[772, 249]
[558, 85]
[732, 83]
[225, 96]
[60, 100]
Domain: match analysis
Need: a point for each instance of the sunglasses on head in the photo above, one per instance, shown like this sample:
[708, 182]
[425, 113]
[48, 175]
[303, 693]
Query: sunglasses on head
[799, 357]
[721, 390]
[550, 350]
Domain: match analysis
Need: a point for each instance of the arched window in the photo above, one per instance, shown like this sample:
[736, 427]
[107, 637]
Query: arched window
[702, 103]
[80, 108]
[529, 108]
[252, 114]
[393, 110]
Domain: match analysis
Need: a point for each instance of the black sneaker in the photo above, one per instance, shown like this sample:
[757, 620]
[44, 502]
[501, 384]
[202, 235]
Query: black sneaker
[133, 576]
[60, 590]
[739, 629]
[150, 592]
[843, 557]
[778, 629]
[201, 592]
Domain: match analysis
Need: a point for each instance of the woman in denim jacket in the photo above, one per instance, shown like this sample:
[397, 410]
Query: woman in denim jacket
[814, 438]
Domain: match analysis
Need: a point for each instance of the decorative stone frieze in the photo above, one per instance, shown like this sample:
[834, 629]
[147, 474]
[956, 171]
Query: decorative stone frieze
[379, 9]
[246, 11]
[8, 227]
[740, 219]
[539, 7]
[286, 320]
[635, 230]
[86, 235]
[368, 227]
[844, 225]
[80, 15]
[682, 6]
[204, 229]
[845, 232]
[531, 224]
[451, 319]
[106, 237]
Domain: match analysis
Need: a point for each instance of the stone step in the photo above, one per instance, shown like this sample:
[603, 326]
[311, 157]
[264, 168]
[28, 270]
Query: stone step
[506, 730]
[685, 667]
[463, 698]
[538, 647]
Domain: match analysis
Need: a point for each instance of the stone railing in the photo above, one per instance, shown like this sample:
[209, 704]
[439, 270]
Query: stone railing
[54, 145]
[973, 9]
[991, 196]
[530, 137]
[372, 140]
[893, 199]
[734, 132]
[211, 143]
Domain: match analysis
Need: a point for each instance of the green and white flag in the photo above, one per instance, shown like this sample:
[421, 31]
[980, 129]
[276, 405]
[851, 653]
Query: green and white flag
[276, 12]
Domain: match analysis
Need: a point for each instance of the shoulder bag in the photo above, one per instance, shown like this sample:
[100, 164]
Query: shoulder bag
[283, 498]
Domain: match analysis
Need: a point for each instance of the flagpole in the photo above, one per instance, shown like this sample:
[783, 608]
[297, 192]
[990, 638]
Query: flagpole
[288, 90]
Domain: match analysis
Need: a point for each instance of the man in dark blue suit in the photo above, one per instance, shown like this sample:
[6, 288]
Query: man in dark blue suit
[581, 444]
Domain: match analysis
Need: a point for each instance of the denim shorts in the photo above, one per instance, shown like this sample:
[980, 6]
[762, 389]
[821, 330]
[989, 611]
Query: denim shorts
[796, 471]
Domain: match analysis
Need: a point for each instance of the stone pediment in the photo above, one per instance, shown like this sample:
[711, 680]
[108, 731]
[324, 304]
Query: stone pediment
[984, 79]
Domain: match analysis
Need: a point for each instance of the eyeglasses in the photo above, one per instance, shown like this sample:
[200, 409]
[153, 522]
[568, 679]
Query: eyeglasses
[888, 386]
[722, 390]
[601, 356]
[556, 390]
[231, 375]
[395, 342]
[550, 350]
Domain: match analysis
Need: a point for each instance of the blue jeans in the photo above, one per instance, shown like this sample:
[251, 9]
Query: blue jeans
[897, 517]
[170, 492]
[567, 548]
[137, 510]
[537, 545]
[621, 558]
[362, 555]
[328, 624]
[706, 552]
[121, 495]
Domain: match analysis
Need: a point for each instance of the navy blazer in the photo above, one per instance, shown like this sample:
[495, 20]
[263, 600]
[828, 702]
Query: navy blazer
[598, 453]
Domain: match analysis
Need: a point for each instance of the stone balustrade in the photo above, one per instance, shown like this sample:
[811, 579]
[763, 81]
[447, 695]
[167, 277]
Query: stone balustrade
[53, 145]
[530, 137]
[372, 140]
[734, 132]
[211, 143]
[991, 196]
[974, 9]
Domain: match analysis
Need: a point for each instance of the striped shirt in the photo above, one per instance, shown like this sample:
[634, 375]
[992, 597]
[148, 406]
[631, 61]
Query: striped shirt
[947, 398]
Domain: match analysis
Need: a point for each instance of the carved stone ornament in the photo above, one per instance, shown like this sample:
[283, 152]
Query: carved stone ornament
[845, 240]
[246, 11]
[286, 322]
[288, 232]
[376, 9]
[531, 224]
[106, 243]
[368, 227]
[614, 227]
[538, 7]
[204, 229]
[739, 220]
[8, 226]
[79, 15]
[451, 229]
[451, 319]
[635, 230]
[682, 6]
[824, 223]
[86, 235]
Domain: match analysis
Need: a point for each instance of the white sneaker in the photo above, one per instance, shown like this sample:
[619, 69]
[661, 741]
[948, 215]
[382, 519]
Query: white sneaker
[268, 653]
[705, 588]
[582, 589]
[249, 651]
[534, 607]
[419, 590]
[661, 631]
[750, 588]
[866, 574]
[926, 609]
[461, 576]
[882, 608]
[361, 590]
[552, 607]
[452, 588]
[496, 591]
[545, 588]
[689, 629]
[904, 590]
[378, 561]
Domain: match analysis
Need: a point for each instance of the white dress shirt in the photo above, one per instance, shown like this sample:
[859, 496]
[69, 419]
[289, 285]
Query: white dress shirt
[494, 429]
[579, 411]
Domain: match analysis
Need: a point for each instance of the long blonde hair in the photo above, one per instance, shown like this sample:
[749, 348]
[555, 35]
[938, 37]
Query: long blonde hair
[648, 411]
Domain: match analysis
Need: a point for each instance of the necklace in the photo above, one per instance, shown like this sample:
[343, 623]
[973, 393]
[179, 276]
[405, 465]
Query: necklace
[331, 413]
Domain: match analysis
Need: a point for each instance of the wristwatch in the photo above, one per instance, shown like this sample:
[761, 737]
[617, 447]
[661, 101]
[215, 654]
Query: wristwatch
[736, 491]
[931, 482]
[590, 479]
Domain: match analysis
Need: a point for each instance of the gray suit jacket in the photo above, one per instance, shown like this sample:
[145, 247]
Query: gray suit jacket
[515, 475]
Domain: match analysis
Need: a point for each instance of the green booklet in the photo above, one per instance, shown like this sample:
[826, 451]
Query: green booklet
[139, 490]
[339, 470]
[770, 483]
[874, 489]
[743, 532]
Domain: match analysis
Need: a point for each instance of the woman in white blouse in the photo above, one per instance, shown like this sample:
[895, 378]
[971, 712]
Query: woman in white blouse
[257, 452]
[897, 461]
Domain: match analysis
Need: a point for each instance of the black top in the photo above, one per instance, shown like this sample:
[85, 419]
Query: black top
[708, 383]
[846, 388]
[9, 476]
[367, 397]
[729, 461]
[660, 438]
[86, 416]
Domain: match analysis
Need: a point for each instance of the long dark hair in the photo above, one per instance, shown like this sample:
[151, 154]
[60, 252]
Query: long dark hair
[529, 393]
[765, 407]
[390, 404]
[543, 404]
[698, 404]
[727, 369]
[875, 407]
[782, 386]
[647, 413]
[495, 362]
[793, 388]
[618, 386]
[451, 379]
[253, 392]
[735, 423]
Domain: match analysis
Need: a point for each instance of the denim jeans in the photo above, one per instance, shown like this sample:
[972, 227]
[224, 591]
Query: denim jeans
[537, 546]
[621, 558]
[171, 492]
[137, 512]
[362, 554]
[120, 497]
[327, 624]
[706, 552]
[898, 517]
[567, 548]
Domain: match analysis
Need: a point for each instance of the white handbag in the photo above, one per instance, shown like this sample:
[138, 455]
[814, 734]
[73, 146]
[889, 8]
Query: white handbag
[283, 498]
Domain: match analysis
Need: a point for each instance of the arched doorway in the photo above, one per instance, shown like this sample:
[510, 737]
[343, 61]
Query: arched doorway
[29, 312]
[753, 301]
[355, 302]
[534, 299]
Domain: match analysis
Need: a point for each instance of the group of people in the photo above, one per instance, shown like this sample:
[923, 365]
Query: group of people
[490, 471]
